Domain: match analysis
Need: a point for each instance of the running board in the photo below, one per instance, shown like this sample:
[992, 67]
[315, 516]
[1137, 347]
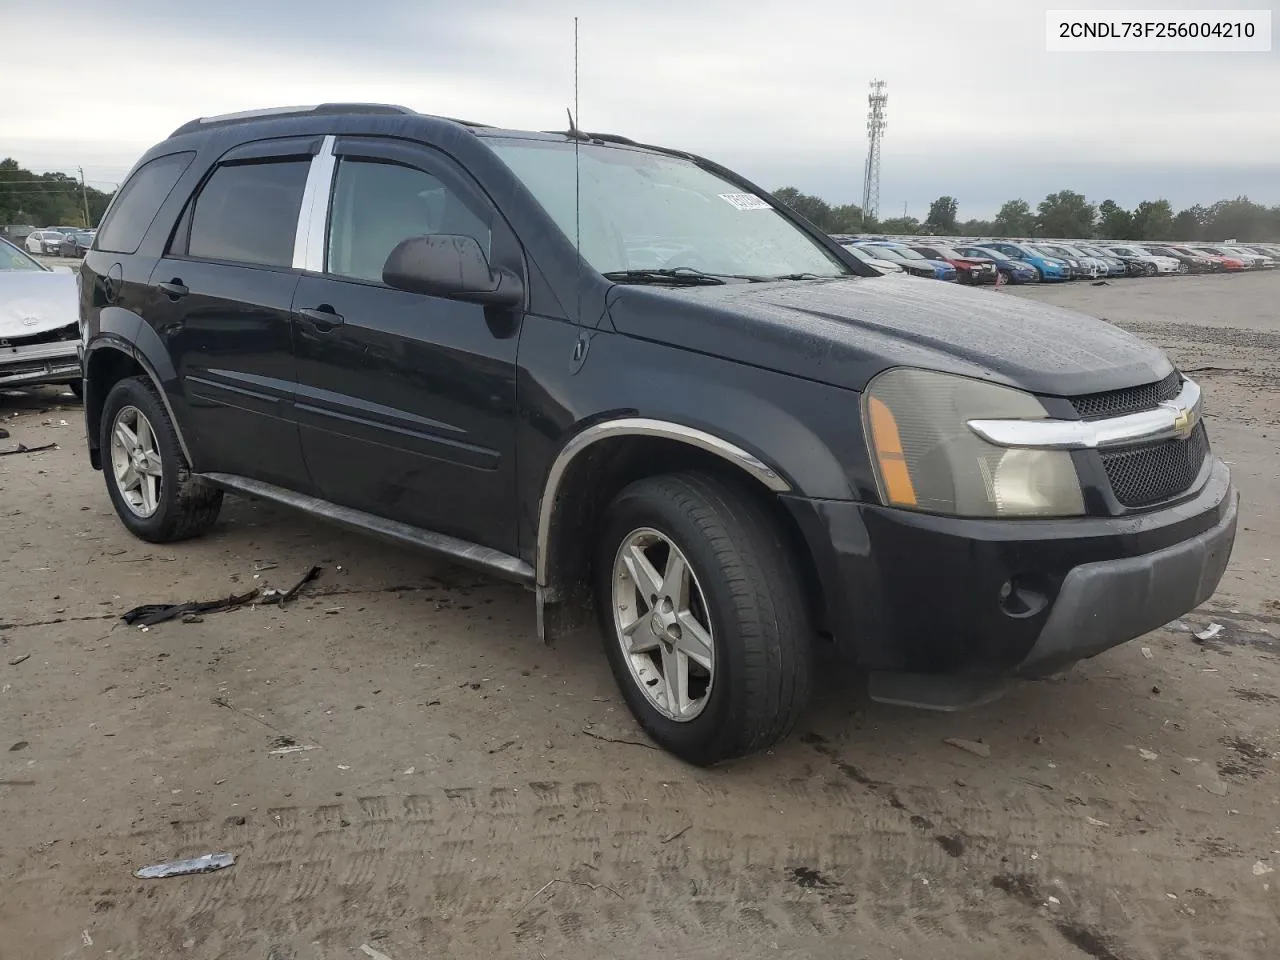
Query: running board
[462, 551]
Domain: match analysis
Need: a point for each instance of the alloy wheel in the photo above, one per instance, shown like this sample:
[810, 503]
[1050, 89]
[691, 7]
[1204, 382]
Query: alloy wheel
[135, 461]
[662, 623]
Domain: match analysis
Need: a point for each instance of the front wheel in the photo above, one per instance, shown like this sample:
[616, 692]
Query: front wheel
[704, 621]
[1183, 268]
[1149, 269]
[150, 483]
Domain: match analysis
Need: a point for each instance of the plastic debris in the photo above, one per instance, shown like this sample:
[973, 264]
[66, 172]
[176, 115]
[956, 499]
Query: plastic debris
[23, 448]
[149, 614]
[292, 748]
[372, 953]
[1096, 822]
[1209, 632]
[1146, 754]
[1146, 652]
[181, 868]
[971, 746]
[1207, 777]
[1260, 869]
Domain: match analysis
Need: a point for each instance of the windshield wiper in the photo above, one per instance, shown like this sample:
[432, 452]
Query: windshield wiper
[686, 276]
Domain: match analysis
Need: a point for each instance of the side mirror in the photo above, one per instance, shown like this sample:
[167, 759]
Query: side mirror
[451, 266]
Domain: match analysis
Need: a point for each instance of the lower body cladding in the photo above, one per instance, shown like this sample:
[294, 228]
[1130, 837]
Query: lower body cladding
[55, 362]
[946, 611]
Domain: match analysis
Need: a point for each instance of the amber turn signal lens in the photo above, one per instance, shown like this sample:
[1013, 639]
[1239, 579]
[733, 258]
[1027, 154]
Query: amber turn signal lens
[898, 487]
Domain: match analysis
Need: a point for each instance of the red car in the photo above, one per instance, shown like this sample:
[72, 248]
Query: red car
[971, 270]
[1225, 261]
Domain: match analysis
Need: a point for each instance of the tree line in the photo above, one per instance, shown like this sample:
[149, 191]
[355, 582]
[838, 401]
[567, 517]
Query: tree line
[1062, 214]
[47, 199]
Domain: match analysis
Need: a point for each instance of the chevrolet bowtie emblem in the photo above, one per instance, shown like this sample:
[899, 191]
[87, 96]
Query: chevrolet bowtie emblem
[1184, 419]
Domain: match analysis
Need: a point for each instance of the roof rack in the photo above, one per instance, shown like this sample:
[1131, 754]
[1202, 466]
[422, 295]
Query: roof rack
[246, 116]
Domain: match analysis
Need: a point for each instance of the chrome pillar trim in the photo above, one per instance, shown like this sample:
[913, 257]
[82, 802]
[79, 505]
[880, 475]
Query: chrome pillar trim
[640, 427]
[1173, 419]
[313, 215]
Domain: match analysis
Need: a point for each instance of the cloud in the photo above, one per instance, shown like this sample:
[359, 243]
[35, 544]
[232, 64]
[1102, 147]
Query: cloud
[977, 107]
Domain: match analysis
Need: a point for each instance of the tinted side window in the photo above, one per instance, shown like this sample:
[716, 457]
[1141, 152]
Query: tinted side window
[376, 205]
[139, 201]
[248, 213]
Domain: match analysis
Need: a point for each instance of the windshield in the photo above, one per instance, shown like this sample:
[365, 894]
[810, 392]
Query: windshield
[946, 253]
[646, 211]
[11, 258]
[1047, 252]
[1139, 251]
[984, 252]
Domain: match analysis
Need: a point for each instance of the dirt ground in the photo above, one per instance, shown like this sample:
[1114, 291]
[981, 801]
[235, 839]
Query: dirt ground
[464, 792]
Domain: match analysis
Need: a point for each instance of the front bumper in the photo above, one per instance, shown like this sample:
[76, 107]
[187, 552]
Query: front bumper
[57, 362]
[922, 594]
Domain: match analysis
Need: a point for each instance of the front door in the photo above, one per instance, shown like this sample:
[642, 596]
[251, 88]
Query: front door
[223, 296]
[405, 402]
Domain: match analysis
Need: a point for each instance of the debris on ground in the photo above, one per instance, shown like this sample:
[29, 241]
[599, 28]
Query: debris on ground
[1102, 283]
[1209, 632]
[292, 748]
[972, 746]
[4, 434]
[23, 448]
[372, 953]
[272, 595]
[181, 868]
[1096, 822]
[149, 614]
[1146, 652]
[1146, 754]
[1260, 869]
[1207, 776]
[17, 660]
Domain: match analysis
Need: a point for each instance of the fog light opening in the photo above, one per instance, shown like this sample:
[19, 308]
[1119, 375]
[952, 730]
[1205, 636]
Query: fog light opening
[1024, 595]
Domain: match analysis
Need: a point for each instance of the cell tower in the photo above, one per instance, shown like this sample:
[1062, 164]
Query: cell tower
[876, 123]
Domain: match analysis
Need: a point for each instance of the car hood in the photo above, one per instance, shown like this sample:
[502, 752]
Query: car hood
[845, 331]
[34, 301]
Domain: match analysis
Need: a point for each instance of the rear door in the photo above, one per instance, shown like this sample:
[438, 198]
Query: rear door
[223, 293]
[406, 402]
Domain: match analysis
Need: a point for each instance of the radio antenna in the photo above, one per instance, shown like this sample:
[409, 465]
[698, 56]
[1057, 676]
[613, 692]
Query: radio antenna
[574, 129]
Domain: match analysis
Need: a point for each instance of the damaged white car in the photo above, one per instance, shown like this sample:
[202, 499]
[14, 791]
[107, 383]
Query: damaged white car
[39, 323]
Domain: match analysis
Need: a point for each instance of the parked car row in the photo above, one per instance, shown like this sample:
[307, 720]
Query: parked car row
[992, 261]
[60, 241]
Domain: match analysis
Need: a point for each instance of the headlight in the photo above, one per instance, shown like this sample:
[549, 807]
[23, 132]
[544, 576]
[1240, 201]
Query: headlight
[927, 458]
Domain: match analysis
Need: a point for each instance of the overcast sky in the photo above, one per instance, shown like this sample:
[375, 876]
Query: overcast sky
[977, 107]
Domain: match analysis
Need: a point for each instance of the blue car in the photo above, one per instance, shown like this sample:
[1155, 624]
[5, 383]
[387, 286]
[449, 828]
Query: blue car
[1011, 270]
[941, 269]
[1049, 268]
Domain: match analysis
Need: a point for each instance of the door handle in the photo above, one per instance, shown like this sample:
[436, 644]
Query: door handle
[324, 317]
[175, 289]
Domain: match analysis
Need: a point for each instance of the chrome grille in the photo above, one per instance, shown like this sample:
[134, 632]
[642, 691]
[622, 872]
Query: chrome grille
[1117, 403]
[1142, 476]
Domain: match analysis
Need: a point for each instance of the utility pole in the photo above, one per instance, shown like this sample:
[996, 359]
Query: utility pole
[904, 209]
[875, 130]
[84, 196]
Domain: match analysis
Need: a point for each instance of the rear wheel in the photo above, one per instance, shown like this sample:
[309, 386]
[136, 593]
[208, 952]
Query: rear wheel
[148, 478]
[704, 621]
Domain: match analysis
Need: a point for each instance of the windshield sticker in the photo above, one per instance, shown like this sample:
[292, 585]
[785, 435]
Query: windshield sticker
[745, 201]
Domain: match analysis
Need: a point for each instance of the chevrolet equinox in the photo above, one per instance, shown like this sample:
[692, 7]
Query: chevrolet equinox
[631, 380]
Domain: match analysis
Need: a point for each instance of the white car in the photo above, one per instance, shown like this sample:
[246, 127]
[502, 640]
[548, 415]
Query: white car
[39, 322]
[1154, 264]
[47, 242]
[884, 266]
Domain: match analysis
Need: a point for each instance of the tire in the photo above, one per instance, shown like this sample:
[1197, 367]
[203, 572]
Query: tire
[77, 388]
[1149, 269]
[742, 587]
[178, 506]
[1183, 268]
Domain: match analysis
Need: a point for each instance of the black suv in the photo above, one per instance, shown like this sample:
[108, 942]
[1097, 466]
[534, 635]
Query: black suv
[627, 378]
